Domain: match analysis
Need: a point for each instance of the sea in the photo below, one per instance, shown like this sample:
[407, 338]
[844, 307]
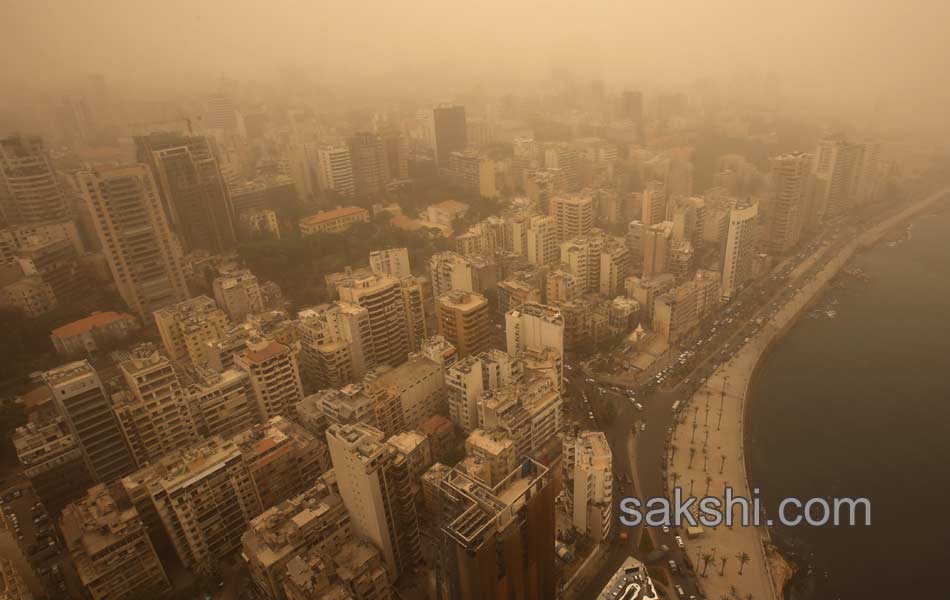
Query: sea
[854, 401]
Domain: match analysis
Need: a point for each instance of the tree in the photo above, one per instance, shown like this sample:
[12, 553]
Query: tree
[743, 558]
[722, 465]
[675, 477]
[708, 481]
[692, 453]
[707, 558]
[722, 564]
[673, 449]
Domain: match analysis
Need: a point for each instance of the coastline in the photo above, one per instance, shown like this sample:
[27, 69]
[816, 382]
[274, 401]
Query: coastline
[770, 572]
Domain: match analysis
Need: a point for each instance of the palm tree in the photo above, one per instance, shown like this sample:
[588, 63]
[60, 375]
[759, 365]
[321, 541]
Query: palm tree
[722, 563]
[675, 477]
[722, 465]
[708, 481]
[706, 558]
[690, 487]
[733, 592]
[743, 559]
[705, 458]
[692, 453]
[693, 436]
[673, 449]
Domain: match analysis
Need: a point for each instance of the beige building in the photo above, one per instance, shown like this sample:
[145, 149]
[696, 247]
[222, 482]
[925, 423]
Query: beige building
[314, 520]
[541, 240]
[143, 255]
[336, 220]
[374, 482]
[393, 262]
[382, 297]
[272, 370]
[580, 256]
[354, 571]
[464, 321]
[739, 249]
[333, 338]
[85, 335]
[186, 327]
[110, 548]
[495, 450]
[574, 215]
[30, 188]
[529, 413]
[222, 402]
[153, 414]
[469, 377]
[238, 294]
[202, 497]
[587, 465]
[283, 458]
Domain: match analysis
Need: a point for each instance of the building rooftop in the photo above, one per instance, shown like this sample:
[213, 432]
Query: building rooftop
[630, 582]
[89, 323]
[334, 213]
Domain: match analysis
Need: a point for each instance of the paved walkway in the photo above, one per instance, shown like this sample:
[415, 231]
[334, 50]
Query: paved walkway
[711, 454]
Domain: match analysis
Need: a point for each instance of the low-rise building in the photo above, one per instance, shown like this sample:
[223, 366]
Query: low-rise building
[336, 220]
[88, 334]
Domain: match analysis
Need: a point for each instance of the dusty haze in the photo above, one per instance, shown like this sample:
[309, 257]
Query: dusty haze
[876, 60]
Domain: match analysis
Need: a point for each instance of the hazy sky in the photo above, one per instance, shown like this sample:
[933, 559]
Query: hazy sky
[846, 49]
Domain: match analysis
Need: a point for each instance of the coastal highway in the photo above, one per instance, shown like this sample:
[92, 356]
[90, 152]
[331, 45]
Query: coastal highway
[647, 450]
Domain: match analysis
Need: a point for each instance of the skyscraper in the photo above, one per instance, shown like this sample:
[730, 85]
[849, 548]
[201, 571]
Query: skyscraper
[382, 297]
[573, 214]
[790, 185]
[335, 170]
[464, 321]
[196, 200]
[370, 170]
[450, 132]
[739, 248]
[274, 376]
[143, 257]
[81, 400]
[153, 414]
[376, 488]
[30, 189]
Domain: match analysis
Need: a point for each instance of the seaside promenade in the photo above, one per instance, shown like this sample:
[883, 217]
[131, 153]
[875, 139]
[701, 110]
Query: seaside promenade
[709, 437]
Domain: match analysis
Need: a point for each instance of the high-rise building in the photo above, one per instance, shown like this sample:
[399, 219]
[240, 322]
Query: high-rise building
[533, 327]
[153, 414]
[382, 298]
[222, 402]
[51, 460]
[370, 171]
[497, 539]
[529, 412]
[275, 378]
[110, 548]
[449, 132]
[238, 294]
[413, 301]
[654, 207]
[581, 258]
[202, 497]
[374, 483]
[739, 248]
[336, 170]
[790, 183]
[187, 327]
[391, 261]
[562, 160]
[196, 200]
[314, 519]
[542, 240]
[464, 321]
[491, 454]
[467, 378]
[573, 214]
[30, 189]
[587, 464]
[333, 340]
[451, 271]
[657, 248]
[283, 458]
[614, 266]
[81, 400]
[143, 256]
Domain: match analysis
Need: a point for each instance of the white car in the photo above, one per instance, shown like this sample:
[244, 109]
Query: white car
[679, 541]
[639, 406]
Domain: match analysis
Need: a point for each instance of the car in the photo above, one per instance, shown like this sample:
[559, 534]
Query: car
[639, 406]
[643, 426]
[673, 566]
[666, 529]
[679, 591]
[590, 415]
[568, 367]
[679, 541]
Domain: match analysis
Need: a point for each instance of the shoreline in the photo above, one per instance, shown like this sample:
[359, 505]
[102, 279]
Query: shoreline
[863, 241]
[768, 572]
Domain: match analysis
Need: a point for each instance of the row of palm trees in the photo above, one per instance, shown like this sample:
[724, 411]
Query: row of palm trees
[709, 557]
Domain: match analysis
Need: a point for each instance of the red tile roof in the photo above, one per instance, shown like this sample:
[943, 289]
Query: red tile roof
[89, 323]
